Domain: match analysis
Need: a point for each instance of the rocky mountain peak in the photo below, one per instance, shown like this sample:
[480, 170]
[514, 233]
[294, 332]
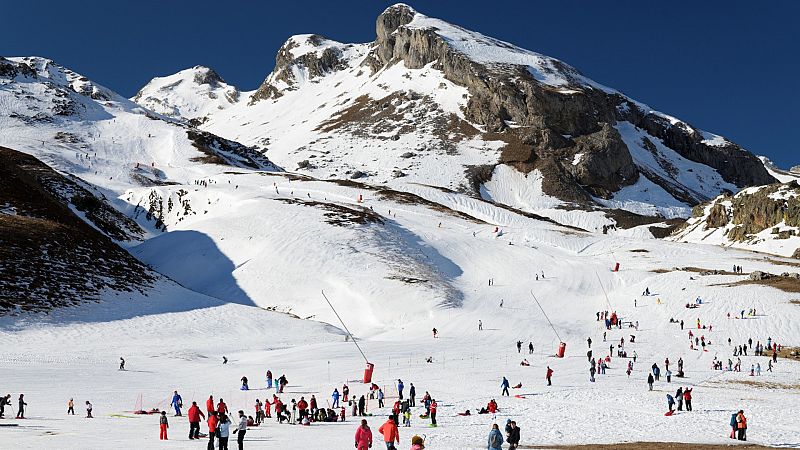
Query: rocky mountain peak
[207, 75]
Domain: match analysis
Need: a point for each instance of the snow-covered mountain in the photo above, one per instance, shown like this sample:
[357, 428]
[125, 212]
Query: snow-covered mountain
[432, 103]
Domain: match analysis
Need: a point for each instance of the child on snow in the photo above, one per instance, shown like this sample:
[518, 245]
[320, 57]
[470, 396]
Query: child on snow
[163, 425]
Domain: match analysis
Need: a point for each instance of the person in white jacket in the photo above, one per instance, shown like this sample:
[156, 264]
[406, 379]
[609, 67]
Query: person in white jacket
[241, 430]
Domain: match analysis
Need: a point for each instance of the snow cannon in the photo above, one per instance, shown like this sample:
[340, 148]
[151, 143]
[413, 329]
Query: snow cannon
[562, 348]
[368, 373]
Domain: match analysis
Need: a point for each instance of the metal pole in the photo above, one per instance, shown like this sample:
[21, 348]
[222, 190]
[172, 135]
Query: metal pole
[345, 327]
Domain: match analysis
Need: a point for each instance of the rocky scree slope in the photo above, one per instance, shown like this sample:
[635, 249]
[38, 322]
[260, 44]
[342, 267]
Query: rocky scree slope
[765, 218]
[57, 240]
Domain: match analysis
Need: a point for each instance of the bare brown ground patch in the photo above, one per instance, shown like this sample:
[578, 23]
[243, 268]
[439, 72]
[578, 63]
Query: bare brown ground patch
[785, 284]
[694, 270]
[764, 384]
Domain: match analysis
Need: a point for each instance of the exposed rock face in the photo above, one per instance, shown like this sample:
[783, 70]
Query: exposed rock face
[323, 58]
[503, 93]
[717, 217]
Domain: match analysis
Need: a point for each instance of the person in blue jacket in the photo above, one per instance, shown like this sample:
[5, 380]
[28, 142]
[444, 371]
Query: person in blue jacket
[504, 385]
[400, 388]
[177, 403]
[335, 397]
[495, 440]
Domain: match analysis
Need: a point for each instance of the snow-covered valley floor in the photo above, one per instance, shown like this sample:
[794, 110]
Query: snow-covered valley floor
[175, 338]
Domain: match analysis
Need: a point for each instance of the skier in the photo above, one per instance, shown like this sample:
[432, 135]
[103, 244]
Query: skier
[4, 401]
[163, 424]
[412, 392]
[549, 376]
[335, 397]
[22, 405]
[390, 434]
[121, 363]
[241, 430]
[70, 407]
[177, 403]
[495, 438]
[504, 385]
[400, 389]
[650, 380]
[194, 421]
[363, 436]
[89, 410]
[432, 410]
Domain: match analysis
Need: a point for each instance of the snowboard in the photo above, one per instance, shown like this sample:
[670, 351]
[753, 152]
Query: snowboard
[669, 413]
[519, 396]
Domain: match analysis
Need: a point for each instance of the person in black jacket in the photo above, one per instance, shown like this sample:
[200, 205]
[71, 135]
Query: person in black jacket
[513, 435]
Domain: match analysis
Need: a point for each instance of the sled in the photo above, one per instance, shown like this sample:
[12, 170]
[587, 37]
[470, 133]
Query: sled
[423, 416]
[519, 396]
[669, 413]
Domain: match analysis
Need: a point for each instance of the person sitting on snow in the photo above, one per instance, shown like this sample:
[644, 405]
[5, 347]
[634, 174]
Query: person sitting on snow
[524, 363]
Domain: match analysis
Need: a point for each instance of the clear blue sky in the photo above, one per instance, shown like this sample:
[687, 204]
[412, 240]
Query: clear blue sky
[730, 67]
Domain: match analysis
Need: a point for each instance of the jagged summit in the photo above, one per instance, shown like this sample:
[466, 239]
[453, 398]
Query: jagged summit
[432, 103]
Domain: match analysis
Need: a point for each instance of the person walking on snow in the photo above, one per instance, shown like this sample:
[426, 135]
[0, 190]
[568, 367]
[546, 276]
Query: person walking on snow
[121, 363]
[530, 348]
[480, 325]
[380, 398]
[650, 380]
[504, 385]
[177, 403]
[335, 397]
[679, 398]
[163, 424]
[70, 406]
[519, 346]
[495, 440]
[432, 413]
[22, 405]
[549, 376]
[89, 410]
[269, 379]
[513, 436]
[363, 436]
[195, 415]
[390, 434]
[400, 388]
[670, 402]
[741, 426]
[589, 341]
[412, 392]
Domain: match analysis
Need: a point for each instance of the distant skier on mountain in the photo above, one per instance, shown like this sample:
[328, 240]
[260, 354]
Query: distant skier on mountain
[121, 363]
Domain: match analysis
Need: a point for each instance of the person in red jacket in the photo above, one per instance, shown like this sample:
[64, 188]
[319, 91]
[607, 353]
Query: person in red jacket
[390, 434]
[222, 408]
[687, 399]
[268, 408]
[363, 436]
[210, 405]
[433, 412]
[301, 409]
[212, 428]
[194, 421]
[549, 376]
[492, 406]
